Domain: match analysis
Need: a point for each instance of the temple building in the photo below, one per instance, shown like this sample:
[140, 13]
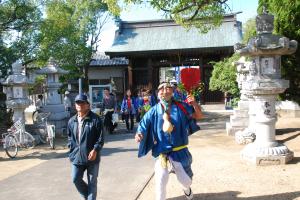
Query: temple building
[156, 47]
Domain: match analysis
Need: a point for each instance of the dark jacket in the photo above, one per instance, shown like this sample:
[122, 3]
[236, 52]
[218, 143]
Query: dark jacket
[91, 138]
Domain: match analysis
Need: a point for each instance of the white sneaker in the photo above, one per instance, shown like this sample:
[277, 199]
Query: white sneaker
[188, 194]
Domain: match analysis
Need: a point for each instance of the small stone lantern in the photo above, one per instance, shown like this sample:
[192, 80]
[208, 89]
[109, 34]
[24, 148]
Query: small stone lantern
[264, 84]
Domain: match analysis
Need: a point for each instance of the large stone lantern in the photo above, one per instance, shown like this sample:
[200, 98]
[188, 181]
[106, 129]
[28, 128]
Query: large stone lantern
[16, 90]
[264, 84]
[54, 103]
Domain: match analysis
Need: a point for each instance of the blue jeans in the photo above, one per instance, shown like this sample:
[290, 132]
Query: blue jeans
[87, 190]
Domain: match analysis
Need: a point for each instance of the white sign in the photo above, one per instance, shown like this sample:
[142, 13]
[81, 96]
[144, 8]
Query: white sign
[18, 92]
[267, 66]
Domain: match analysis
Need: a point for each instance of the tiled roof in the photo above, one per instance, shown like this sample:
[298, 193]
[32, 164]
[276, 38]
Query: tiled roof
[51, 70]
[104, 60]
[160, 35]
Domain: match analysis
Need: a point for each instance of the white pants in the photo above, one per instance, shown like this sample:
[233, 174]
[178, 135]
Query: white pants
[162, 177]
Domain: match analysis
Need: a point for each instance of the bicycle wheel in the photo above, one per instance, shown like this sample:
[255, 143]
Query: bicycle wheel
[52, 143]
[11, 146]
[29, 141]
[43, 137]
[51, 135]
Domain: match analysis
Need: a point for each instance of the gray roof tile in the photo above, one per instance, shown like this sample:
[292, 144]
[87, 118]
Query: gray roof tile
[166, 35]
[104, 60]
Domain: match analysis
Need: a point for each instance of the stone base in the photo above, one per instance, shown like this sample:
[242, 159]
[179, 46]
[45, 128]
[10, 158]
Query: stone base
[245, 136]
[241, 113]
[239, 121]
[243, 105]
[288, 113]
[231, 130]
[278, 155]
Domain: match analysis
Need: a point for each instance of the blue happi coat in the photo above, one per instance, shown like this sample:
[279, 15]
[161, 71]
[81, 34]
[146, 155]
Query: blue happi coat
[155, 139]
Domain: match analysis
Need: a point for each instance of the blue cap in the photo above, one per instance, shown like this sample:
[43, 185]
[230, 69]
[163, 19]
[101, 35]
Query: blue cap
[82, 98]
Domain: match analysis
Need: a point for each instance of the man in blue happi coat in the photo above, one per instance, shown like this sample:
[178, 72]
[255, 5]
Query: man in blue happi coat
[164, 129]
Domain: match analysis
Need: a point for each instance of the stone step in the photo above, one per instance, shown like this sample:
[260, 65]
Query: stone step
[239, 121]
[230, 130]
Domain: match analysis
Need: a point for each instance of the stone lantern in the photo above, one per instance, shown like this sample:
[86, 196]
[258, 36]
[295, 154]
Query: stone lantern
[54, 103]
[16, 90]
[239, 119]
[245, 106]
[264, 84]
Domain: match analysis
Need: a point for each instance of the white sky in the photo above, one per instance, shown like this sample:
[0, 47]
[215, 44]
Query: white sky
[138, 13]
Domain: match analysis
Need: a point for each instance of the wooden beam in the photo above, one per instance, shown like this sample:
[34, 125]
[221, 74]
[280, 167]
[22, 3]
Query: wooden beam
[129, 69]
[150, 73]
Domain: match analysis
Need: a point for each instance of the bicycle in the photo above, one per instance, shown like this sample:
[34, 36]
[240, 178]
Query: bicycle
[48, 131]
[15, 138]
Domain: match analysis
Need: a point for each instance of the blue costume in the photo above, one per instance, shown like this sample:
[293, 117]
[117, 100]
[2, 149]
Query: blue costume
[153, 100]
[179, 96]
[160, 142]
[128, 113]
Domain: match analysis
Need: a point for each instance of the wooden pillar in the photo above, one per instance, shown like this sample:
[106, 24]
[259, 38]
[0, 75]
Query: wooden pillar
[155, 77]
[129, 70]
[201, 68]
[202, 100]
[150, 73]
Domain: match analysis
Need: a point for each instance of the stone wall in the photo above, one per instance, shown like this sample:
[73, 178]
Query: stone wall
[287, 109]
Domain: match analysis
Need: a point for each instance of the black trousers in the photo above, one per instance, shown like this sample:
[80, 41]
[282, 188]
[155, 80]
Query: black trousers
[127, 117]
[138, 117]
[108, 123]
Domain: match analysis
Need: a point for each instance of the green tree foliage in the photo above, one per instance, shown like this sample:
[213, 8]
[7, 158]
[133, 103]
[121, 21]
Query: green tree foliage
[70, 33]
[224, 76]
[224, 73]
[67, 30]
[249, 30]
[287, 23]
[188, 13]
[19, 21]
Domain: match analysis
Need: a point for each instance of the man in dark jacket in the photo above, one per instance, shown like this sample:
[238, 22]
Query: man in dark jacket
[85, 140]
[109, 107]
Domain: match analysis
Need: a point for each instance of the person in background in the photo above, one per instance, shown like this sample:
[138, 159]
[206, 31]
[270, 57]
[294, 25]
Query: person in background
[39, 103]
[177, 94]
[67, 102]
[85, 141]
[128, 109]
[153, 97]
[146, 102]
[109, 106]
[139, 102]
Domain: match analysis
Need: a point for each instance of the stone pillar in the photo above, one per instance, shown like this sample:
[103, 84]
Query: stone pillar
[248, 134]
[264, 85]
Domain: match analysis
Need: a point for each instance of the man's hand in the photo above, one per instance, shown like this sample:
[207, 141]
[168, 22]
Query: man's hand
[190, 99]
[92, 155]
[138, 137]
